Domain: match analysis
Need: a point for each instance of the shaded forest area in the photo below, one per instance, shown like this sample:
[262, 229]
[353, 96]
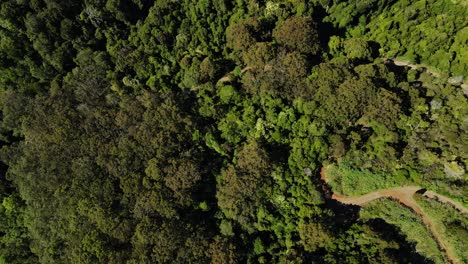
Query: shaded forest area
[137, 131]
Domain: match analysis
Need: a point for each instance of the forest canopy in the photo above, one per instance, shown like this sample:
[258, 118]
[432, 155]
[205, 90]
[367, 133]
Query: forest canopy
[138, 131]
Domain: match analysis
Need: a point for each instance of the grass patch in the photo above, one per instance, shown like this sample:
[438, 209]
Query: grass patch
[351, 182]
[451, 223]
[454, 190]
[409, 224]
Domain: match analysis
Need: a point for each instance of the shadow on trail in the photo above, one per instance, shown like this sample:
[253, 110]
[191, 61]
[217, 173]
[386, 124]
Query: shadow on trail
[345, 214]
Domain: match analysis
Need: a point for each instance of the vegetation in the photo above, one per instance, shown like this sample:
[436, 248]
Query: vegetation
[352, 182]
[408, 223]
[430, 32]
[185, 131]
[451, 223]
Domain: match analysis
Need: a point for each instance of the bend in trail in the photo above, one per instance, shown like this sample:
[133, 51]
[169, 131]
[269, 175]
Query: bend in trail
[405, 195]
[229, 77]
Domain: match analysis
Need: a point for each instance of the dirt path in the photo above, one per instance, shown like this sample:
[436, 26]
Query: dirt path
[432, 72]
[402, 194]
[405, 195]
[229, 77]
[247, 68]
[225, 79]
[416, 66]
[444, 199]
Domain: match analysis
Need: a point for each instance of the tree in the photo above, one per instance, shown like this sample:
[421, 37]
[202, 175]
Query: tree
[241, 36]
[223, 251]
[314, 235]
[14, 238]
[356, 48]
[298, 34]
[240, 189]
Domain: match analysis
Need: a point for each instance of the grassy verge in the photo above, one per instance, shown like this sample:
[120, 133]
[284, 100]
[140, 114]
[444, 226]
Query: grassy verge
[454, 190]
[409, 224]
[351, 182]
[451, 223]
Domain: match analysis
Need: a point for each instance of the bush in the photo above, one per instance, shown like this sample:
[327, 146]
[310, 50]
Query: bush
[348, 181]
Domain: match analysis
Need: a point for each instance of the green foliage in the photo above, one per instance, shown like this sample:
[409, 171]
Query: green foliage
[259, 248]
[298, 33]
[239, 196]
[314, 236]
[351, 182]
[227, 93]
[165, 131]
[242, 35]
[433, 36]
[408, 223]
[14, 238]
[356, 48]
[451, 223]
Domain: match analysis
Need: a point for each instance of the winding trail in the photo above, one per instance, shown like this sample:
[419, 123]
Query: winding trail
[225, 79]
[415, 66]
[402, 63]
[405, 195]
[230, 77]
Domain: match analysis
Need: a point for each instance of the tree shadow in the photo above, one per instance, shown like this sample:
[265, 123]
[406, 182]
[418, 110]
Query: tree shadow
[406, 253]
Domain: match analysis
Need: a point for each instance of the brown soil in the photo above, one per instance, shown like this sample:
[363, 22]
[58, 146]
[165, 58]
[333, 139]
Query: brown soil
[416, 66]
[224, 79]
[229, 77]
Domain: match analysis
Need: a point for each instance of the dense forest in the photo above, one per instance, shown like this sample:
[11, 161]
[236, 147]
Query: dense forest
[138, 131]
